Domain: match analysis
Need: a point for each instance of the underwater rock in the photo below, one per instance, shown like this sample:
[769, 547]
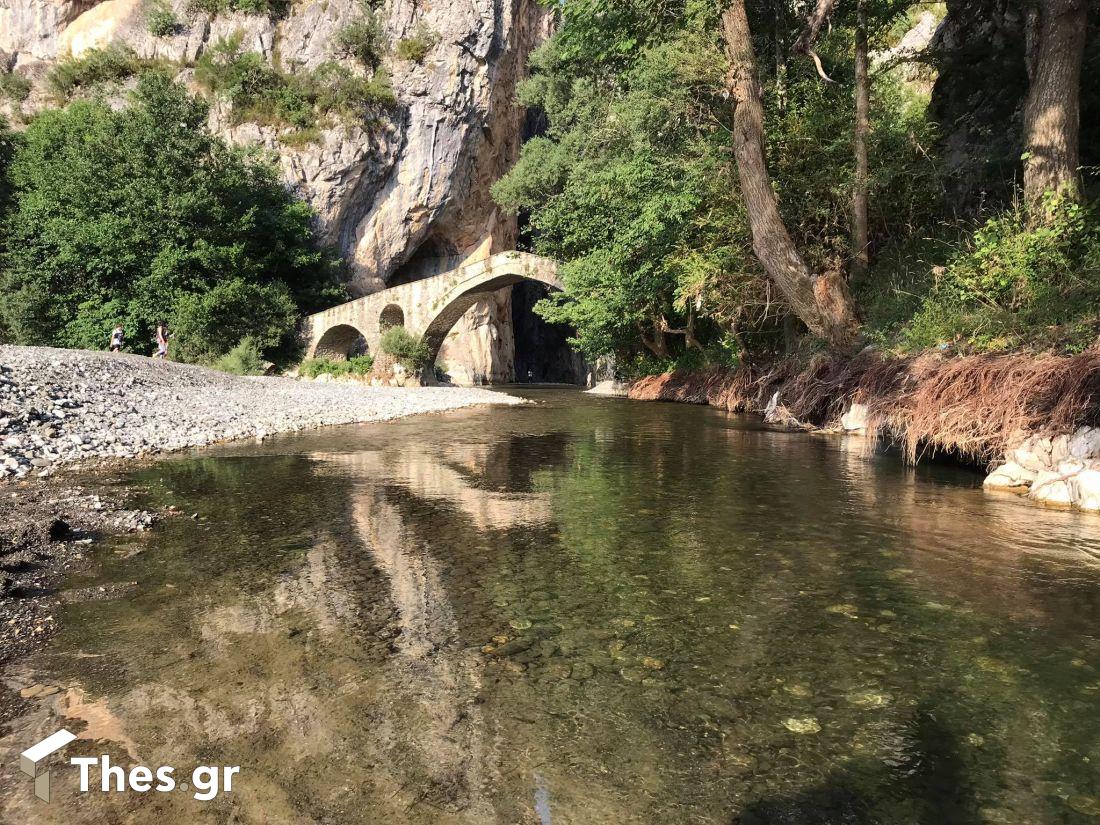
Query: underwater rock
[802, 726]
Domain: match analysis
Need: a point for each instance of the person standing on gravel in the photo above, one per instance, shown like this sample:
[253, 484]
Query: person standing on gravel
[116, 338]
[162, 340]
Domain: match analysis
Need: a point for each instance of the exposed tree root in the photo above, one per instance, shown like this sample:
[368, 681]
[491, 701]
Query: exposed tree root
[975, 406]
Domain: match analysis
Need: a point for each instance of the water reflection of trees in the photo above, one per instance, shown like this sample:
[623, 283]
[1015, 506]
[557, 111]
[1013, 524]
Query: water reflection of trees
[630, 602]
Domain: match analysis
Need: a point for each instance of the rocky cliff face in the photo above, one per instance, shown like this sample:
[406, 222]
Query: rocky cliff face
[402, 197]
[980, 93]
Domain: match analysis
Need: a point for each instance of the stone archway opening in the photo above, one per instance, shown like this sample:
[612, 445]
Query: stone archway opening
[464, 296]
[543, 352]
[341, 342]
[391, 316]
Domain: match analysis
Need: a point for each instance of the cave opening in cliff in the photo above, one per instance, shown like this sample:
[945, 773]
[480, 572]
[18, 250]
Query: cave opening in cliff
[433, 256]
[543, 354]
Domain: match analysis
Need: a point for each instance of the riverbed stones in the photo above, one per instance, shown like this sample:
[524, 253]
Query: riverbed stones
[803, 726]
[63, 406]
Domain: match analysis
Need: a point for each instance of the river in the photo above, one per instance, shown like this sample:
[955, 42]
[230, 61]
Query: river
[586, 611]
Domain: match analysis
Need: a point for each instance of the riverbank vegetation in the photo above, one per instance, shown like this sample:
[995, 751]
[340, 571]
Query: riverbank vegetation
[359, 366]
[140, 214]
[738, 184]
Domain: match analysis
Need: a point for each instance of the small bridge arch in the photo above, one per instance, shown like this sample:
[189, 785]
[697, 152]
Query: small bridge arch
[340, 342]
[429, 307]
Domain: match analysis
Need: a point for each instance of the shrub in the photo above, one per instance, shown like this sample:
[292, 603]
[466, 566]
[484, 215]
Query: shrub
[416, 46]
[1022, 280]
[410, 351]
[365, 40]
[360, 366]
[261, 93]
[161, 20]
[335, 90]
[212, 8]
[96, 66]
[268, 8]
[244, 359]
[210, 323]
[14, 87]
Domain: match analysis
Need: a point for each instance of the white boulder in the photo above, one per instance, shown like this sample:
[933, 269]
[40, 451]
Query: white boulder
[610, 387]
[1085, 443]
[855, 420]
[1028, 457]
[1085, 487]
[1051, 488]
[1008, 475]
[1059, 449]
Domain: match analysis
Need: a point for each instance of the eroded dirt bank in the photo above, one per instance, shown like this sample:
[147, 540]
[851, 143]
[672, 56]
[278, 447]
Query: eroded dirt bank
[1032, 420]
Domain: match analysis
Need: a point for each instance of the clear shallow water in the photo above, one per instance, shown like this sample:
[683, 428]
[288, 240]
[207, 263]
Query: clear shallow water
[592, 611]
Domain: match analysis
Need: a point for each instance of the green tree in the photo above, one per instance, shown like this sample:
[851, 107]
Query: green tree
[634, 185]
[142, 214]
[629, 189]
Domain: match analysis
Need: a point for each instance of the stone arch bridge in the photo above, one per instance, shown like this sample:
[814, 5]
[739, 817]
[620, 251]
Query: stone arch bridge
[427, 308]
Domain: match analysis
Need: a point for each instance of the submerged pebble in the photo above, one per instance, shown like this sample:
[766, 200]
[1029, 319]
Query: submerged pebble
[802, 726]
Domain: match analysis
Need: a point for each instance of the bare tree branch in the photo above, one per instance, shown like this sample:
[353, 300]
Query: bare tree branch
[804, 43]
[820, 68]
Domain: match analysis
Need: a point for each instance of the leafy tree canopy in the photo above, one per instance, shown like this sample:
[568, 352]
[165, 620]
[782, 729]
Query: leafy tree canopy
[633, 183]
[142, 214]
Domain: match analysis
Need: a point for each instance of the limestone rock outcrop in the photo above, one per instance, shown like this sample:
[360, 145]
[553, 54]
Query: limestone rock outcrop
[403, 195]
[1062, 471]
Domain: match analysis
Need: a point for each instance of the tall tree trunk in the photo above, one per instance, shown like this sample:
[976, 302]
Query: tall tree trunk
[1052, 114]
[860, 231]
[821, 301]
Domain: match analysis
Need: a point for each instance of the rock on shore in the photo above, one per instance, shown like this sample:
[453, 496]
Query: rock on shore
[60, 406]
[1062, 471]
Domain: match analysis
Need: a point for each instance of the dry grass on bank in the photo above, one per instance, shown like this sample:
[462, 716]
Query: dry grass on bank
[975, 406]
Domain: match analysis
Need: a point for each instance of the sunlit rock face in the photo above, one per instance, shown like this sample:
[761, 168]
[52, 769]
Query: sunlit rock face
[403, 196]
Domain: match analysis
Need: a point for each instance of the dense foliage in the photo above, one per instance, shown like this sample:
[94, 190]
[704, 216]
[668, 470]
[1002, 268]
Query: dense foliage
[633, 185]
[1018, 282]
[631, 190]
[141, 214]
[264, 8]
[95, 67]
[359, 366]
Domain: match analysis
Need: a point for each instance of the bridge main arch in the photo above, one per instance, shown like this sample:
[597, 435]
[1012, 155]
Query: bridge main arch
[480, 282]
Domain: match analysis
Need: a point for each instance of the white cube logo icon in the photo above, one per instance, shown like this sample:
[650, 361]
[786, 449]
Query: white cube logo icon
[32, 758]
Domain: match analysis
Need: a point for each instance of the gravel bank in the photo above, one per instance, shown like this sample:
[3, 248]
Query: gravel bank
[63, 406]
